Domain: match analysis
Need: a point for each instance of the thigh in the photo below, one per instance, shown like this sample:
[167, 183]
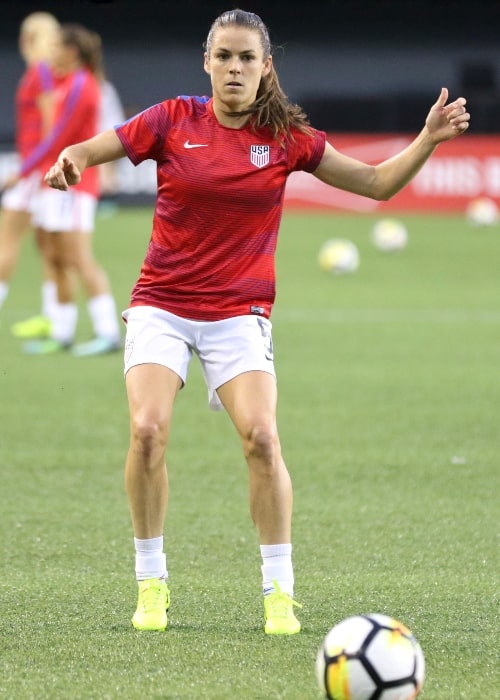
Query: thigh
[76, 249]
[13, 226]
[250, 400]
[156, 338]
[151, 392]
[22, 196]
[62, 248]
[233, 347]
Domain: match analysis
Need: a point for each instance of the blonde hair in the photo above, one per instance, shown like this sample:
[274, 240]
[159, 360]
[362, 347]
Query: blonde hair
[37, 36]
[271, 107]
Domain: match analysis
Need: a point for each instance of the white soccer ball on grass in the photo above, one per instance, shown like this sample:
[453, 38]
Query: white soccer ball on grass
[482, 211]
[338, 256]
[370, 657]
[389, 235]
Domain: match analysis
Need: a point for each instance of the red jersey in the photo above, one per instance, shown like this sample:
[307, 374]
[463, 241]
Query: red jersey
[76, 112]
[218, 208]
[36, 81]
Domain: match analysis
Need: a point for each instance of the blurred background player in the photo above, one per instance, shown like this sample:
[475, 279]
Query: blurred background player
[67, 222]
[34, 114]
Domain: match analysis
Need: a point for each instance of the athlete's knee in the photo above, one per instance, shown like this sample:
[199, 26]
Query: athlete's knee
[262, 444]
[148, 437]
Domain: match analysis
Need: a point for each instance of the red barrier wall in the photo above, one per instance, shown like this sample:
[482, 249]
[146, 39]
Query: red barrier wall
[460, 170]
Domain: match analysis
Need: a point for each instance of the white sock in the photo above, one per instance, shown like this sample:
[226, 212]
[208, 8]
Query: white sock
[64, 322]
[102, 312]
[277, 566]
[150, 560]
[4, 290]
[49, 299]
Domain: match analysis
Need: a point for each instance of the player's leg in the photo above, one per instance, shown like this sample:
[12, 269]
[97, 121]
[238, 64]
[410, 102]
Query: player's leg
[40, 325]
[13, 225]
[15, 219]
[157, 357]
[151, 390]
[101, 304]
[250, 400]
[65, 313]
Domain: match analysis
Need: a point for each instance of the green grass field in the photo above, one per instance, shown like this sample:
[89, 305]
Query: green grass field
[389, 419]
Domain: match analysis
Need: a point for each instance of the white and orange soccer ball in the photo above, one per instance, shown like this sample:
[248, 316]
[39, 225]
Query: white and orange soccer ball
[389, 235]
[482, 212]
[338, 256]
[370, 657]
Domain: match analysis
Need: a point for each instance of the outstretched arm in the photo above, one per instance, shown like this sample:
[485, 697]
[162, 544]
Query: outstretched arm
[72, 161]
[382, 181]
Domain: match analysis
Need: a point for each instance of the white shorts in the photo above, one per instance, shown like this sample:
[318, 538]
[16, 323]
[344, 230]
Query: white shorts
[23, 195]
[225, 348]
[59, 212]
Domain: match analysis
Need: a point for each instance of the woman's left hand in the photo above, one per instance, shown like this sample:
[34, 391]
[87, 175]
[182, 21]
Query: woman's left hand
[445, 121]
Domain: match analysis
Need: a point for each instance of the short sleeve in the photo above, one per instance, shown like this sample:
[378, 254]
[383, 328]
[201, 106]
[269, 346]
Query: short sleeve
[143, 136]
[305, 151]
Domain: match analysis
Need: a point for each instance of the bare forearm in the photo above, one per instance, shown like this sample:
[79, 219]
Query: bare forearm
[73, 160]
[396, 172]
[102, 148]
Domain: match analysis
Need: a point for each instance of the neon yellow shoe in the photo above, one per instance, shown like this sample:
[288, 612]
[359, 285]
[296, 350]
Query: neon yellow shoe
[279, 616]
[32, 328]
[152, 606]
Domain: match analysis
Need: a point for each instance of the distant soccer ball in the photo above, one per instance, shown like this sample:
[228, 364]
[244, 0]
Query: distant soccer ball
[338, 256]
[482, 212]
[389, 235]
[370, 657]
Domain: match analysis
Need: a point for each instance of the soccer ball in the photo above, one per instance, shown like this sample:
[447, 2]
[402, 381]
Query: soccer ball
[482, 212]
[370, 657]
[338, 256]
[389, 235]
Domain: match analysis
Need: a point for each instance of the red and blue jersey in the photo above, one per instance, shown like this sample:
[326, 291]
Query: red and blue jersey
[76, 113]
[218, 208]
[36, 81]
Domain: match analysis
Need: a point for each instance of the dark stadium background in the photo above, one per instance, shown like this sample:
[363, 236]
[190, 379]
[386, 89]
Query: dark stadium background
[354, 65]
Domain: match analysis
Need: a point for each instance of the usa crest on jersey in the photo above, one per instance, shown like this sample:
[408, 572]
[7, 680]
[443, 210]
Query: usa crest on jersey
[259, 155]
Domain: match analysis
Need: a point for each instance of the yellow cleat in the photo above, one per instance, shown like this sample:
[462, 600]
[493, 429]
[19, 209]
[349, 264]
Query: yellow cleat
[152, 606]
[37, 327]
[279, 615]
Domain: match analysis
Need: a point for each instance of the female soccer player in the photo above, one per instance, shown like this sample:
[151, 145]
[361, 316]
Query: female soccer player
[67, 221]
[34, 112]
[207, 283]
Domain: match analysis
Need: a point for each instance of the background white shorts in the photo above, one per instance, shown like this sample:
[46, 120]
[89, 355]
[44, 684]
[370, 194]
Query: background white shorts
[65, 211]
[23, 195]
[225, 348]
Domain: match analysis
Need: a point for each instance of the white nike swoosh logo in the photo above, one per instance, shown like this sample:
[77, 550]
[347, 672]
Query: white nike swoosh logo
[194, 145]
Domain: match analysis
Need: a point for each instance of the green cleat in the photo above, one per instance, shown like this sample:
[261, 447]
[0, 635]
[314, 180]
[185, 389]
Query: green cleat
[49, 346]
[152, 606]
[279, 616]
[32, 328]
[97, 346]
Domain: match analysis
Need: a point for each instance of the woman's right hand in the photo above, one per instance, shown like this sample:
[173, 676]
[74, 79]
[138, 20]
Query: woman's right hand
[62, 174]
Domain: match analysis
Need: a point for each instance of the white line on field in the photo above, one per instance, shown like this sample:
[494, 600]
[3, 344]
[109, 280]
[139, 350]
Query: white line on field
[387, 315]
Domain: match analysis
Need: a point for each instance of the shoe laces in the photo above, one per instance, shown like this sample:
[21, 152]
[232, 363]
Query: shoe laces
[281, 604]
[154, 595]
